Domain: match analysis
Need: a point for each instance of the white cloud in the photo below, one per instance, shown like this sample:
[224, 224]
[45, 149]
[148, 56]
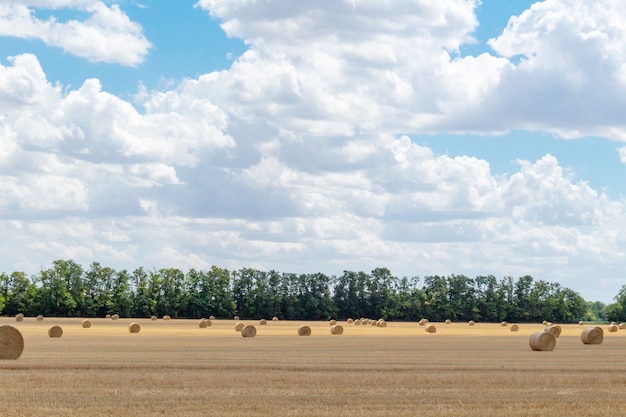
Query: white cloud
[106, 35]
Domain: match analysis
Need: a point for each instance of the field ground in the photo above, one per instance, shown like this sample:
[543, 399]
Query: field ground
[175, 368]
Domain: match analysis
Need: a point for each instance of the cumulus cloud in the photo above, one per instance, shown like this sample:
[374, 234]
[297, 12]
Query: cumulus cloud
[106, 35]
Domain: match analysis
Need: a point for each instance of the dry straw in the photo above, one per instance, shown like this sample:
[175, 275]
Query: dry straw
[448, 321]
[86, 324]
[542, 341]
[381, 323]
[115, 316]
[153, 318]
[612, 328]
[211, 317]
[239, 326]
[472, 323]
[108, 316]
[40, 318]
[621, 326]
[134, 327]
[248, 331]
[274, 318]
[555, 329]
[350, 321]
[19, 317]
[592, 335]
[581, 323]
[504, 324]
[336, 329]
[262, 322]
[514, 327]
[166, 317]
[55, 331]
[11, 343]
[236, 318]
[431, 329]
[203, 324]
[332, 322]
[304, 330]
[357, 322]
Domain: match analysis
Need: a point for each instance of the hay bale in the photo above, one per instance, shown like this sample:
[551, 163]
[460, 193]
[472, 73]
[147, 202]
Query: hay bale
[421, 322]
[304, 330]
[555, 329]
[239, 326]
[262, 322]
[336, 329]
[211, 317]
[274, 318]
[545, 323]
[248, 331]
[236, 318]
[542, 341]
[153, 318]
[357, 322]
[332, 322]
[612, 328]
[381, 323]
[55, 331]
[86, 324]
[612, 323]
[431, 329]
[40, 318]
[504, 324]
[203, 324]
[350, 321]
[108, 316]
[209, 322]
[19, 317]
[166, 317]
[115, 317]
[621, 326]
[472, 323]
[592, 335]
[11, 343]
[580, 323]
[134, 327]
[448, 321]
[373, 323]
[514, 327]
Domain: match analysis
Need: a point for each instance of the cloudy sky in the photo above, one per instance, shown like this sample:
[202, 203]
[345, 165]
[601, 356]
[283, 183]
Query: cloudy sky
[317, 136]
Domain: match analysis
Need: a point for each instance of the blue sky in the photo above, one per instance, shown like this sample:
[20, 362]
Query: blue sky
[317, 136]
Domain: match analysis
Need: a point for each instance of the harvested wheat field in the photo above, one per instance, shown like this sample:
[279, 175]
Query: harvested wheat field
[176, 368]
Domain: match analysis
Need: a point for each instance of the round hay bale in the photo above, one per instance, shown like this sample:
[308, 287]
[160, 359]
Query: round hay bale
[448, 321]
[580, 323]
[11, 343]
[115, 316]
[40, 318]
[86, 324]
[373, 323]
[514, 327]
[248, 331]
[381, 323]
[108, 316]
[592, 335]
[612, 328]
[332, 322]
[166, 317]
[542, 341]
[336, 329]
[211, 317]
[274, 318]
[19, 317]
[504, 324]
[209, 322]
[262, 322]
[350, 321]
[357, 322]
[545, 323]
[203, 324]
[422, 322]
[239, 326]
[55, 331]
[134, 327]
[304, 330]
[621, 326]
[431, 329]
[236, 318]
[153, 318]
[612, 323]
[555, 329]
[472, 323]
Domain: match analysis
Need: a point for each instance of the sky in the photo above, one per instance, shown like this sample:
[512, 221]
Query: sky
[448, 137]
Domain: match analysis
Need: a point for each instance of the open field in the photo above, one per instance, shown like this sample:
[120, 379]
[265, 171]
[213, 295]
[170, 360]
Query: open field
[175, 368]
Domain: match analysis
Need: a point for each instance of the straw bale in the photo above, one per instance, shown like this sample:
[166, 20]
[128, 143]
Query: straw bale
[262, 322]
[542, 341]
[612, 328]
[108, 316]
[472, 323]
[504, 324]
[448, 321]
[211, 317]
[350, 321]
[592, 335]
[555, 329]
[55, 331]
[304, 330]
[115, 316]
[274, 318]
[239, 326]
[208, 322]
[203, 324]
[166, 317]
[40, 318]
[19, 317]
[11, 343]
[248, 331]
[86, 324]
[336, 329]
[236, 318]
[621, 326]
[381, 323]
[332, 322]
[514, 327]
[581, 323]
[613, 323]
[153, 318]
[431, 329]
[134, 327]
[357, 322]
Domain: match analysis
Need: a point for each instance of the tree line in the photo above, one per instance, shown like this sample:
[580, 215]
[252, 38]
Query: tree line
[68, 289]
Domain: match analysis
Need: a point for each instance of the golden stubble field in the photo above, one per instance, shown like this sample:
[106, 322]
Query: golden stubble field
[175, 368]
